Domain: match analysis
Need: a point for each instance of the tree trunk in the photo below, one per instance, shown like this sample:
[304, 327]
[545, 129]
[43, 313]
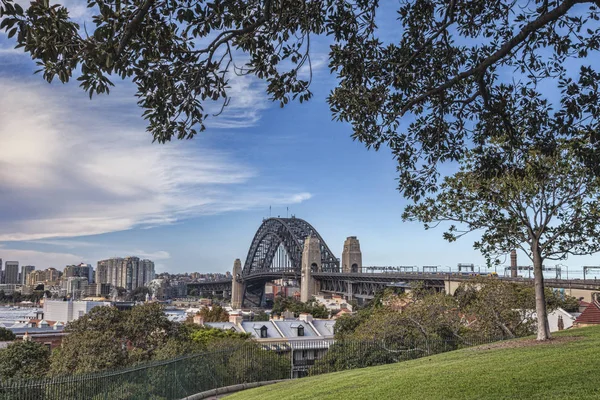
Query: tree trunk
[543, 330]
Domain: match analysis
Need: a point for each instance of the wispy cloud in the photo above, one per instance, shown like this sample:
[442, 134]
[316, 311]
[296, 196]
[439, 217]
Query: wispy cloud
[248, 100]
[40, 259]
[71, 169]
[69, 244]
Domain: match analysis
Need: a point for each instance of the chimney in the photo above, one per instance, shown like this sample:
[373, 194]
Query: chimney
[287, 314]
[236, 319]
[513, 264]
[306, 317]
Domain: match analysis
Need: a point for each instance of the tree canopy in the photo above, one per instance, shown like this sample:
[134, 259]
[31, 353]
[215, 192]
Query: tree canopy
[312, 307]
[6, 334]
[436, 84]
[215, 313]
[24, 359]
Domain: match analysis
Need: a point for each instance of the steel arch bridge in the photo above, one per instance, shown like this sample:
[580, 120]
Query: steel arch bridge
[276, 252]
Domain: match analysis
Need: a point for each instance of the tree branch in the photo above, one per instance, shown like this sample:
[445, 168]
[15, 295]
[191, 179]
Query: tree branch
[500, 53]
[133, 25]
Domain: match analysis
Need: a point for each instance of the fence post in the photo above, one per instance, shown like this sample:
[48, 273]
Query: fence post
[291, 360]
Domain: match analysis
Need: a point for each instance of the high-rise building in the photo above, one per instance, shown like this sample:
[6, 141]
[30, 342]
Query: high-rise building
[52, 275]
[36, 277]
[75, 286]
[129, 272]
[11, 272]
[148, 270]
[81, 271]
[25, 271]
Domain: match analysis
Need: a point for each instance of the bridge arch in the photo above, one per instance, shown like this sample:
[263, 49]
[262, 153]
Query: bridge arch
[291, 234]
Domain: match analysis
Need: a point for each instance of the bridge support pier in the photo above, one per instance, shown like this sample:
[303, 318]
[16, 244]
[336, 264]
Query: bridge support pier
[237, 288]
[351, 256]
[450, 286]
[311, 262]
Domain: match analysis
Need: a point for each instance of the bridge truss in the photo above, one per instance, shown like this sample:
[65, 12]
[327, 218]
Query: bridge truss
[276, 253]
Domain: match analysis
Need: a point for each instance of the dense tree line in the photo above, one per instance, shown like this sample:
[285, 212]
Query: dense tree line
[107, 338]
[17, 297]
[400, 327]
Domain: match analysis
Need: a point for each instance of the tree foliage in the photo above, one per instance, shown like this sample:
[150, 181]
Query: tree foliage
[90, 351]
[139, 294]
[24, 359]
[207, 335]
[6, 334]
[215, 313]
[312, 307]
[497, 308]
[435, 86]
[107, 338]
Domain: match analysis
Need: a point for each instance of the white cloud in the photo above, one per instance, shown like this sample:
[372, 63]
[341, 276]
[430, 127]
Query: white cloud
[71, 168]
[248, 100]
[69, 244]
[40, 259]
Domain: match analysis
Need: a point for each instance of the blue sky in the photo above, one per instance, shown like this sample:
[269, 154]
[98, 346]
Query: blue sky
[80, 180]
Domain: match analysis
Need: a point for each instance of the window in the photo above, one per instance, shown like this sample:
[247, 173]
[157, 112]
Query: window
[300, 330]
[263, 332]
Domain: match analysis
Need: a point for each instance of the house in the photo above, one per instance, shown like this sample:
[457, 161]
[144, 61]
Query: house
[589, 316]
[583, 305]
[307, 339]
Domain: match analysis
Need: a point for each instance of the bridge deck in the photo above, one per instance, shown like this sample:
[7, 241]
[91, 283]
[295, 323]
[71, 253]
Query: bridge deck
[435, 279]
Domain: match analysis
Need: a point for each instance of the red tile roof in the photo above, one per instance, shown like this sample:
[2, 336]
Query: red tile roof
[591, 315]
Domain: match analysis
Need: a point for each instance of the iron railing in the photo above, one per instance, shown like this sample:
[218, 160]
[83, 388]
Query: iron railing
[250, 362]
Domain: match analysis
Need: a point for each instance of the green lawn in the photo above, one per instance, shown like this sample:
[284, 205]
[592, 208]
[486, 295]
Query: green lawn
[568, 368]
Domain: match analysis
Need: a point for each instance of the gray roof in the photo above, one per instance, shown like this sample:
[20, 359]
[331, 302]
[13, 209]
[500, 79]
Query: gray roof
[324, 326]
[223, 325]
[36, 331]
[254, 328]
[290, 328]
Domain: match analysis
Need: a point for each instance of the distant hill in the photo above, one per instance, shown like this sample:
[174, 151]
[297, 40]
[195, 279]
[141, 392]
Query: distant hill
[566, 368]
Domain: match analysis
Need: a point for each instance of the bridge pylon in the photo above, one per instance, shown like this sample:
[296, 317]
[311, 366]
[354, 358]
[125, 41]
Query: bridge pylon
[351, 256]
[311, 262]
[237, 288]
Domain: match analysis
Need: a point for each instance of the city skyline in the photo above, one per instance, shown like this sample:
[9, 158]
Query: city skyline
[86, 182]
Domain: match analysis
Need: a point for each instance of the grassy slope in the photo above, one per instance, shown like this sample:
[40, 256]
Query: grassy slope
[559, 370]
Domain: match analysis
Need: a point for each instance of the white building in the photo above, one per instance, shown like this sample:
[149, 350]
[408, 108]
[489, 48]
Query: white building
[67, 311]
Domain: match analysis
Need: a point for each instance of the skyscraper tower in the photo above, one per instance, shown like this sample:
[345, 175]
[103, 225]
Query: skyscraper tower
[25, 271]
[11, 272]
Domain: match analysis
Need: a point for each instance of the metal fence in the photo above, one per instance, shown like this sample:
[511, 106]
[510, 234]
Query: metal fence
[250, 362]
